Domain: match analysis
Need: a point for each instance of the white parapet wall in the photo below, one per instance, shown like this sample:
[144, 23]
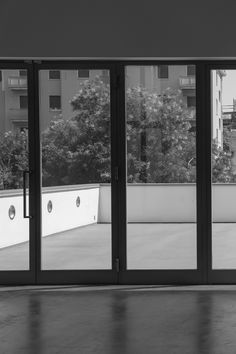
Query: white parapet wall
[169, 203]
[65, 213]
[224, 202]
[153, 202]
[145, 203]
[16, 230]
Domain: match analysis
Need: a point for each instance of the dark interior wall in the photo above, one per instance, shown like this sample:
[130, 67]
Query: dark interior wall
[117, 28]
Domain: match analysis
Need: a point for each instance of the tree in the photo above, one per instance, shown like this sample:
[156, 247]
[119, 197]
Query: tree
[13, 159]
[161, 142]
[78, 150]
[221, 160]
[170, 145]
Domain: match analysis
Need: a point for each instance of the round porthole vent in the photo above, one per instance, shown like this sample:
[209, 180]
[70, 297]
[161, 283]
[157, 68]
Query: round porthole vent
[49, 206]
[11, 212]
[78, 202]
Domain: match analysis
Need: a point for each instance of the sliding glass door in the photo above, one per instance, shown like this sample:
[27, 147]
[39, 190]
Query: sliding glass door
[117, 172]
[223, 174]
[161, 171]
[75, 120]
[161, 167]
[16, 180]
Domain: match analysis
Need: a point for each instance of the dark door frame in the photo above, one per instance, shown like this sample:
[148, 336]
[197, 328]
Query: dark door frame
[173, 276]
[214, 276]
[79, 276]
[119, 274]
[26, 276]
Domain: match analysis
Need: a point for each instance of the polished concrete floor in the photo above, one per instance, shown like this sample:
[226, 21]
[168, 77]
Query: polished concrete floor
[149, 246]
[119, 320]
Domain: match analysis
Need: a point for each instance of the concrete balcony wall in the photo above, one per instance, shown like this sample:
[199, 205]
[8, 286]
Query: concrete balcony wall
[146, 203]
[161, 203]
[153, 203]
[224, 203]
[169, 203]
[16, 230]
[65, 214]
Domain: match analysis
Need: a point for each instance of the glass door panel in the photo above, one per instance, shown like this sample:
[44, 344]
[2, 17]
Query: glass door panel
[76, 169]
[223, 157]
[14, 164]
[161, 167]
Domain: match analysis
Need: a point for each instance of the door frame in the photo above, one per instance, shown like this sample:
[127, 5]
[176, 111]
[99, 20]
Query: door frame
[119, 275]
[103, 276]
[217, 276]
[170, 276]
[18, 277]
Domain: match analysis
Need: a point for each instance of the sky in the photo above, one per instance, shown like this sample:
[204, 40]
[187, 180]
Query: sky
[229, 87]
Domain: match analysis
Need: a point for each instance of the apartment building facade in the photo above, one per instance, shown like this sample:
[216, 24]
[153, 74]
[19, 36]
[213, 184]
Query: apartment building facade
[58, 87]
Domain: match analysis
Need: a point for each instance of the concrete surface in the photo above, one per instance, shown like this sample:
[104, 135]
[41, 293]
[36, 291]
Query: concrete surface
[150, 246]
[115, 320]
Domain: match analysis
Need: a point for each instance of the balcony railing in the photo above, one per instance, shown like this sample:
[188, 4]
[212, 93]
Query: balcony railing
[17, 83]
[187, 82]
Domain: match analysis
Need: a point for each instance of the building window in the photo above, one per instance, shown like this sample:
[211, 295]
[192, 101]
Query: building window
[216, 106]
[23, 72]
[23, 102]
[55, 102]
[20, 125]
[191, 101]
[83, 74]
[191, 70]
[163, 71]
[105, 73]
[54, 74]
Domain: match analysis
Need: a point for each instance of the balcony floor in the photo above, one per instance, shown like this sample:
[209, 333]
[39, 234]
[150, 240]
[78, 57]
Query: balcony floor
[150, 246]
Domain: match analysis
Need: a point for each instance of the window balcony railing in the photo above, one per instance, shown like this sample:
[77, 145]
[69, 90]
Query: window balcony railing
[187, 82]
[17, 83]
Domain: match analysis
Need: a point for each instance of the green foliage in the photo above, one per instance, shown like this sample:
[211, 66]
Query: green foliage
[163, 124]
[13, 159]
[221, 160]
[161, 142]
[78, 150]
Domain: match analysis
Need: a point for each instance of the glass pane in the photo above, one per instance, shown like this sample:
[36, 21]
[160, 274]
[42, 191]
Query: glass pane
[14, 235]
[161, 167]
[76, 170]
[223, 119]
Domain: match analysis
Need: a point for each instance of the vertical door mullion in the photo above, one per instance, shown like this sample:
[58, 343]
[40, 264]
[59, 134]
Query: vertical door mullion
[121, 144]
[208, 173]
[114, 170]
[202, 173]
[37, 168]
[32, 175]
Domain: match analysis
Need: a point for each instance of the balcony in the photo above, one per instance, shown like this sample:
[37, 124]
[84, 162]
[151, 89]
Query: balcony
[187, 82]
[17, 83]
[161, 227]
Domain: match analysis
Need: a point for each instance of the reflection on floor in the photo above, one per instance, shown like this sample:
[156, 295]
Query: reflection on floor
[110, 320]
[149, 246]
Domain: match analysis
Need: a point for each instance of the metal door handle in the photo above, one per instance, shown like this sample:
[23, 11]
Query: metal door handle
[24, 195]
